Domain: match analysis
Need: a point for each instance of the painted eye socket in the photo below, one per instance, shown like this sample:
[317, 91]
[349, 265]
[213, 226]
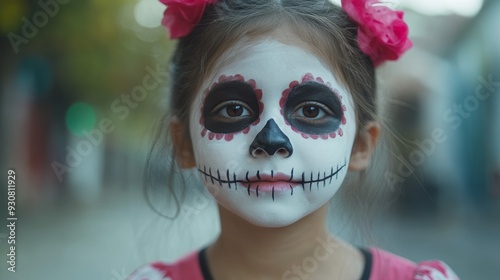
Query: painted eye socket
[232, 109]
[313, 108]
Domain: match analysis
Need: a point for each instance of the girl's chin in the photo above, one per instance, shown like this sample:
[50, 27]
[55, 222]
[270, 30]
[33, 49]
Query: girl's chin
[272, 215]
[271, 221]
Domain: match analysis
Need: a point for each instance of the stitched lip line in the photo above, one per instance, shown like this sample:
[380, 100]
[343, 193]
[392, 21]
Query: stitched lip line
[304, 180]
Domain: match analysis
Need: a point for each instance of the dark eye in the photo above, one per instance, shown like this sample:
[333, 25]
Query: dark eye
[311, 111]
[232, 109]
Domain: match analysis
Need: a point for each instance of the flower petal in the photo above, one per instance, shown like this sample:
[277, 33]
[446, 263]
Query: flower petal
[382, 32]
[181, 16]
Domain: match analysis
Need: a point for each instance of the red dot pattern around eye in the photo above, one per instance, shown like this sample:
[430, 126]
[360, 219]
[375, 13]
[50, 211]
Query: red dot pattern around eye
[230, 136]
[307, 78]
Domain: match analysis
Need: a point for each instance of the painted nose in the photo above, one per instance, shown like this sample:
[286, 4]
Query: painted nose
[271, 140]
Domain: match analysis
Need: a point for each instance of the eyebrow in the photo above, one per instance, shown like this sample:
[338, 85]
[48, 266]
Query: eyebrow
[229, 84]
[312, 85]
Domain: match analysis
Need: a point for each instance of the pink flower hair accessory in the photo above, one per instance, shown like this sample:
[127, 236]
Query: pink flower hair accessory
[382, 32]
[181, 16]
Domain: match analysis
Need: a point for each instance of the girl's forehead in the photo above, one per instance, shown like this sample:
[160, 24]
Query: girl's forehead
[270, 60]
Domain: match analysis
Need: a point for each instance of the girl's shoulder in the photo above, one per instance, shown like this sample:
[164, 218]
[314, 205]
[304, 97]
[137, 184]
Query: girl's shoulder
[387, 266]
[380, 265]
[187, 268]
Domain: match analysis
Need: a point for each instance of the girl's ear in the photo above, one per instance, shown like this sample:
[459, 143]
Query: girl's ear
[364, 145]
[182, 147]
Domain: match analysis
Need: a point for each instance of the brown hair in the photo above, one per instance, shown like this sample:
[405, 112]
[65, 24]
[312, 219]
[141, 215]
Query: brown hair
[319, 23]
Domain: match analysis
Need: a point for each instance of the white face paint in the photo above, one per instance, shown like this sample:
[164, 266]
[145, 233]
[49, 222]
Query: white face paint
[272, 134]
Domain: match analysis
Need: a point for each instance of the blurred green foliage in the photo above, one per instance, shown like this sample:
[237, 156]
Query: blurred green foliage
[96, 49]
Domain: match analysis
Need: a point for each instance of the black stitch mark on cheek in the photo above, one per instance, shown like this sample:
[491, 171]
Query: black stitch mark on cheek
[211, 177]
[291, 190]
[331, 175]
[227, 176]
[273, 193]
[218, 177]
[311, 182]
[257, 190]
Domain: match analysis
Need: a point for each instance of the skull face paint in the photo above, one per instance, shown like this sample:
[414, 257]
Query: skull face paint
[272, 133]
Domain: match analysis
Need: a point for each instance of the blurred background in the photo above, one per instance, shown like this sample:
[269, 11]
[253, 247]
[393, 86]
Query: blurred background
[81, 85]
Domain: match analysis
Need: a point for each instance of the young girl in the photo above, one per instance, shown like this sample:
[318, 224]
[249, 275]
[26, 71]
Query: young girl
[286, 89]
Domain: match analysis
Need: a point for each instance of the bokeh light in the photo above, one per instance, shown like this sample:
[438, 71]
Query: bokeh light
[466, 8]
[80, 117]
[148, 13]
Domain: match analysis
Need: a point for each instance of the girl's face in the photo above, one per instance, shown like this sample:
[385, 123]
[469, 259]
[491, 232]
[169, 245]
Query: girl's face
[272, 133]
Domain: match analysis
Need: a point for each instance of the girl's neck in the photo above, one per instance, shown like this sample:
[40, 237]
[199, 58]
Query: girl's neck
[246, 251]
